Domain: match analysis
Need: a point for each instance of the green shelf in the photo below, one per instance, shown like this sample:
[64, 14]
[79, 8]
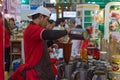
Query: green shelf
[87, 24]
[88, 19]
[87, 12]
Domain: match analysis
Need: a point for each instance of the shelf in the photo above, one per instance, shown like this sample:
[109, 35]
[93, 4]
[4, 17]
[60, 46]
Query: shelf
[16, 40]
[16, 50]
[88, 16]
[79, 16]
[16, 53]
[87, 22]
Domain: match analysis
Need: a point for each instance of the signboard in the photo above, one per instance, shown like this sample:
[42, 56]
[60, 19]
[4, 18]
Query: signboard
[34, 4]
[69, 14]
[14, 6]
[87, 7]
[25, 7]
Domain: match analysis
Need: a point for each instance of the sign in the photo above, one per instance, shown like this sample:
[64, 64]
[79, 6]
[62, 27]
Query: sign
[87, 7]
[33, 7]
[24, 1]
[34, 4]
[69, 14]
[25, 7]
[14, 6]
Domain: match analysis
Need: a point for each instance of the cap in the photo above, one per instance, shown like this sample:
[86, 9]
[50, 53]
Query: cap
[41, 10]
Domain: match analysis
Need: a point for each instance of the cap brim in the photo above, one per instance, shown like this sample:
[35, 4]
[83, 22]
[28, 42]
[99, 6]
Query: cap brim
[30, 15]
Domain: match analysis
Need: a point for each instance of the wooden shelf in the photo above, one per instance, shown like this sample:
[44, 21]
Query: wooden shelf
[16, 50]
[16, 53]
[16, 40]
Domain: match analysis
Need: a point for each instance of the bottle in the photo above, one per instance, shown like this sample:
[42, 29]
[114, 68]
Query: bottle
[84, 55]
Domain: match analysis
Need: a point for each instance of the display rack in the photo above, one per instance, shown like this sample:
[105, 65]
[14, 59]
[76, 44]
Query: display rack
[16, 50]
[107, 12]
[87, 13]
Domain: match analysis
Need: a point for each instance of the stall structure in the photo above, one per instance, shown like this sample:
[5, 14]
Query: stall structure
[86, 14]
[17, 50]
[66, 5]
[111, 40]
[113, 17]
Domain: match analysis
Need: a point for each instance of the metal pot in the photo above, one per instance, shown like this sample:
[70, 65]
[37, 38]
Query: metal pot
[69, 69]
[79, 34]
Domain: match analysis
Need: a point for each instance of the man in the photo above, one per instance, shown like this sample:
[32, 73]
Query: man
[37, 61]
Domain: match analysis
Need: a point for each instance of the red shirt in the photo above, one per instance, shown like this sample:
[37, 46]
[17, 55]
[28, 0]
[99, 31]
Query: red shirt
[7, 39]
[33, 49]
[33, 46]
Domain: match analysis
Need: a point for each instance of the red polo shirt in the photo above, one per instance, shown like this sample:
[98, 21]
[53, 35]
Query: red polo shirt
[33, 46]
[33, 49]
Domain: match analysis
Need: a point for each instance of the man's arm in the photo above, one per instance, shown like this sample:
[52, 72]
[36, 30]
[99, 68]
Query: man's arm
[53, 34]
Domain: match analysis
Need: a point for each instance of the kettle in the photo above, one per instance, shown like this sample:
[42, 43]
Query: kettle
[79, 34]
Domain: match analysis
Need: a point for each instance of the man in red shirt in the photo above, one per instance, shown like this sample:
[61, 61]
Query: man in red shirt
[37, 60]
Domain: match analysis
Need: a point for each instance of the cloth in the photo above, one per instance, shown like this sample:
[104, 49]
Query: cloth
[62, 39]
[7, 59]
[17, 74]
[1, 50]
[53, 61]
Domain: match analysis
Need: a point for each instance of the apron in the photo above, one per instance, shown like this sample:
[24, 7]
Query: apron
[43, 67]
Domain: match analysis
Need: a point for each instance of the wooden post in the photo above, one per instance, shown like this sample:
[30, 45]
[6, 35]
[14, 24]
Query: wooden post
[57, 10]
[62, 8]
[68, 4]
[83, 1]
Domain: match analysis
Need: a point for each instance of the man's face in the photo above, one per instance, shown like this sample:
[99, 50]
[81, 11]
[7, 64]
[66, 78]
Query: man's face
[44, 21]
